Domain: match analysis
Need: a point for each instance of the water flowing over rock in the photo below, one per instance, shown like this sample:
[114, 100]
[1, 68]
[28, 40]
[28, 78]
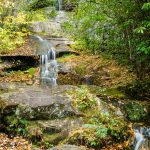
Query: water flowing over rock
[51, 27]
[141, 138]
[49, 68]
[48, 63]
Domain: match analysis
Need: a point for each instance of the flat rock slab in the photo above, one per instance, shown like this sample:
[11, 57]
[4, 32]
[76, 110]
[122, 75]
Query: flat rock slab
[40, 96]
[41, 102]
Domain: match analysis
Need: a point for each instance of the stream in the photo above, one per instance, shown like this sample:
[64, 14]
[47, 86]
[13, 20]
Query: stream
[141, 142]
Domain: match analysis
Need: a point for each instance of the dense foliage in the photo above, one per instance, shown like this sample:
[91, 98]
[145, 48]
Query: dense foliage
[15, 17]
[38, 4]
[120, 28]
[13, 26]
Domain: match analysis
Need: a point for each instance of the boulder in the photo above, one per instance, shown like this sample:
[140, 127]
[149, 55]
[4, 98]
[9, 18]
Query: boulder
[45, 27]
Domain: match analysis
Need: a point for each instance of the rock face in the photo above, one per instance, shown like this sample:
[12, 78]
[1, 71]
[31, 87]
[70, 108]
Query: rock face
[55, 115]
[49, 112]
[52, 27]
[45, 27]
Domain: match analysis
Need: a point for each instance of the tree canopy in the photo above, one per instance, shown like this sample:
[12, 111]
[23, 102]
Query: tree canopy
[116, 27]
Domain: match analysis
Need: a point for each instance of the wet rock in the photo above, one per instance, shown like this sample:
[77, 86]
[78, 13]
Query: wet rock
[64, 68]
[60, 43]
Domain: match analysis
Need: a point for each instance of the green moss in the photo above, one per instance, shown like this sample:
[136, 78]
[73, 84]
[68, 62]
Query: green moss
[65, 58]
[112, 92]
[53, 138]
[81, 69]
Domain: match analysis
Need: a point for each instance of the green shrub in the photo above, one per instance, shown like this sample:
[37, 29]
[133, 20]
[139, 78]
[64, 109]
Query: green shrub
[16, 125]
[12, 32]
[136, 112]
[38, 4]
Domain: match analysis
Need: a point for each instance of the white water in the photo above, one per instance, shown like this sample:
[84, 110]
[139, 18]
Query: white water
[141, 138]
[39, 38]
[60, 4]
[48, 63]
[49, 68]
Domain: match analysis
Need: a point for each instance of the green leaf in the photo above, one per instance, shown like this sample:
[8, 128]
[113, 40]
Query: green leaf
[146, 6]
[31, 72]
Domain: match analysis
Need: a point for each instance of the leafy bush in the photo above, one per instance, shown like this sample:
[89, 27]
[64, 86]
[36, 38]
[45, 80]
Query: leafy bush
[83, 99]
[136, 112]
[41, 15]
[119, 28]
[138, 89]
[38, 4]
[13, 31]
[16, 125]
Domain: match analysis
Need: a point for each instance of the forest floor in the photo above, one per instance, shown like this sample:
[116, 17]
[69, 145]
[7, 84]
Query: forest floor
[16, 143]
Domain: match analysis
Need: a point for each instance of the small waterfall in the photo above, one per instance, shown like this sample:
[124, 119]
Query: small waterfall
[48, 63]
[49, 68]
[141, 138]
[39, 38]
[60, 5]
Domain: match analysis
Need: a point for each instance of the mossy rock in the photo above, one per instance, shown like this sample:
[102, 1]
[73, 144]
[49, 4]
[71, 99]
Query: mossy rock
[53, 138]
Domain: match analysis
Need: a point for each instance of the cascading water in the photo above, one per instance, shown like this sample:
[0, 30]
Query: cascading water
[39, 38]
[141, 138]
[49, 68]
[60, 4]
[48, 63]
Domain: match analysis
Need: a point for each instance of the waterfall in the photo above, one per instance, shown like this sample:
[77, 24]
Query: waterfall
[48, 63]
[141, 138]
[49, 68]
[39, 38]
[60, 4]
